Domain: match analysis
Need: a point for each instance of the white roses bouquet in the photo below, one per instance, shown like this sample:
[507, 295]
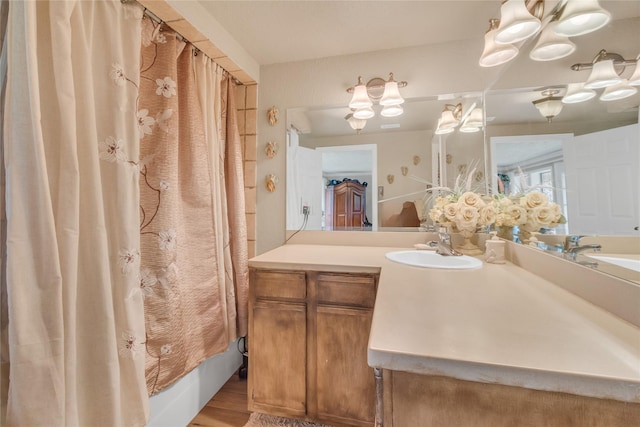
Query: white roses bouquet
[531, 212]
[465, 212]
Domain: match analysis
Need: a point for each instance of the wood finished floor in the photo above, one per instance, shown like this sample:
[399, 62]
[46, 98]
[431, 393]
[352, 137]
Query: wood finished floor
[228, 408]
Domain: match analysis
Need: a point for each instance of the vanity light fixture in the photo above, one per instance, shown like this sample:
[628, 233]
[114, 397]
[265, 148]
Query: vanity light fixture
[386, 92]
[523, 19]
[618, 91]
[582, 17]
[452, 116]
[443, 130]
[549, 106]
[602, 75]
[576, 92]
[356, 124]
[606, 72]
[495, 54]
[516, 22]
[551, 46]
[473, 122]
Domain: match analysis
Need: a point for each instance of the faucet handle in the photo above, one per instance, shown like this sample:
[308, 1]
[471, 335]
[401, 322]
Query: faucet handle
[572, 241]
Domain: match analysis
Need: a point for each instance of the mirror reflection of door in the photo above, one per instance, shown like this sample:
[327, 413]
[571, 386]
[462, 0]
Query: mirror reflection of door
[304, 185]
[349, 205]
[603, 177]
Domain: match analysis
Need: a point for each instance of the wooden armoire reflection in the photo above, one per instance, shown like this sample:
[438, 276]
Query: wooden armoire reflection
[345, 205]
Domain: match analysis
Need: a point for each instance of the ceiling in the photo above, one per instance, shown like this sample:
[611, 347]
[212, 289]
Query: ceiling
[287, 31]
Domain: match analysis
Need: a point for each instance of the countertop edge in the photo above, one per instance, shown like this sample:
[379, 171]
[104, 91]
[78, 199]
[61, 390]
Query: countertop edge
[561, 382]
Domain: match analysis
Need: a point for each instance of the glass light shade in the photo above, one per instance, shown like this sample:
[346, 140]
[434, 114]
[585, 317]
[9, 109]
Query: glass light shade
[549, 107]
[620, 91]
[364, 113]
[391, 110]
[496, 54]
[465, 128]
[602, 75]
[576, 92]
[581, 17]
[516, 23]
[391, 95]
[356, 124]
[442, 131]
[634, 80]
[360, 98]
[447, 120]
[474, 119]
[551, 46]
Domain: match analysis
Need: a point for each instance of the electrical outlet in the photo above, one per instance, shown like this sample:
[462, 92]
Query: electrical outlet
[306, 210]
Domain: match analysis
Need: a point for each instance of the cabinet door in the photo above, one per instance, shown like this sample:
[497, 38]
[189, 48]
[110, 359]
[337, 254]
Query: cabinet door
[341, 215]
[277, 358]
[357, 206]
[345, 383]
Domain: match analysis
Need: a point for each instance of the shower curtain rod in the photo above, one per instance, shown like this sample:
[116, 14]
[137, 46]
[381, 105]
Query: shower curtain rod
[180, 37]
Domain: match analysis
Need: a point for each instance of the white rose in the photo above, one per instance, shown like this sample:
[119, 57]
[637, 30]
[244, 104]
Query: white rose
[471, 199]
[488, 215]
[534, 199]
[436, 214]
[451, 211]
[543, 215]
[467, 217]
[514, 215]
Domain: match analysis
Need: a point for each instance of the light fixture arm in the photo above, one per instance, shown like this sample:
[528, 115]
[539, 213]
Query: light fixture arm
[376, 84]
[618, 61]
[456, 110]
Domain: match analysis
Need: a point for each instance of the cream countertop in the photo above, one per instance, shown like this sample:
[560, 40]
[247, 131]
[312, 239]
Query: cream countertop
[498, 324]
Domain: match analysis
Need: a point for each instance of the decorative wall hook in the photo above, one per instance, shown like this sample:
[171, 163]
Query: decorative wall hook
[271, 149]
[272, 115]
[270, 182]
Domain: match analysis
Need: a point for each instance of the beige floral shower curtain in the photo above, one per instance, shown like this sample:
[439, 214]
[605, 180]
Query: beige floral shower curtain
[188, 249]
[124, 259]
[75, 328]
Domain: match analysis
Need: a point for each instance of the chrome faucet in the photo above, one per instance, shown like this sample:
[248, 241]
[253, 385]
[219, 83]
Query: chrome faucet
[572, 252]
[572, 241]
[444, 244]
[572, 247]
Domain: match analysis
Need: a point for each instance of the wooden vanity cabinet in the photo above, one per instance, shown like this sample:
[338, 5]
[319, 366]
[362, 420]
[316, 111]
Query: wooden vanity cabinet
[308, 345]
[277, 342]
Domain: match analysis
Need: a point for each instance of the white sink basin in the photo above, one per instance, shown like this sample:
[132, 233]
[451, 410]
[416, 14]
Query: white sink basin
[430, 259]
[625, 261]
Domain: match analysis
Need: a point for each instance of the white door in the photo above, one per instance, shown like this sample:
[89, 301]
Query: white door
[603, 182]
[304, 188]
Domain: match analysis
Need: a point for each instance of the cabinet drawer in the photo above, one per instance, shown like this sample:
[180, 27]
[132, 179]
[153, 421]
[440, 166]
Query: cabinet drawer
[346, 289]
[288, 285]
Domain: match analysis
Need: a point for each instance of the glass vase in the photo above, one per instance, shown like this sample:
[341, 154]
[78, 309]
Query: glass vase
[505, 232]
[468, 247]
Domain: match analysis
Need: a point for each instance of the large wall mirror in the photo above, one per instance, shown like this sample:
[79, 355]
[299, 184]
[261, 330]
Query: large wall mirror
[585, 157]
[395, 159]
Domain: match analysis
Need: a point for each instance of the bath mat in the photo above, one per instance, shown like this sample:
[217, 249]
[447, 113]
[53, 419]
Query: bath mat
[262, 420]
